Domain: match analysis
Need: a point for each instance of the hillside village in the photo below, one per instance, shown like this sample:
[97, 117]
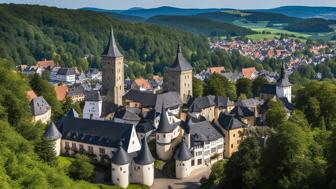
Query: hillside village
[121, 116]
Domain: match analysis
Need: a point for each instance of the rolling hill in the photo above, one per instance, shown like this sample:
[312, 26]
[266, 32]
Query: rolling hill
[200, 25]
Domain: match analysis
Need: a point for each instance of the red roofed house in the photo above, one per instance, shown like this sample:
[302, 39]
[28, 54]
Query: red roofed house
[217, 70]
[61, 92]
[141, 84]
[249, 72]
[46, 64]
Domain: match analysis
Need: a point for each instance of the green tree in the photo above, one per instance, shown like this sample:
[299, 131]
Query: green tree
[221, 86]
[257, 84]
[243, 168]
[276, 114]
[81, 168]
[198, 87]
[45, 150]
[244, 86]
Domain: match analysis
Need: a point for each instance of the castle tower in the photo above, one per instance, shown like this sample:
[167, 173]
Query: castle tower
[179, 76]
[144, 166]
[165, 135]
[183, 161]
[113, 71]
[55, 136]
[283, 86]
[120, 168]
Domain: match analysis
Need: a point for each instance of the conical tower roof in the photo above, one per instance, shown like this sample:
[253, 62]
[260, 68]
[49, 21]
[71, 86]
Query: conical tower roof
[183, 153]
[283, 81]
[120, 157]
[52, 132]
[145, 156]
[164, 125]
[180, 63]
[111, 50]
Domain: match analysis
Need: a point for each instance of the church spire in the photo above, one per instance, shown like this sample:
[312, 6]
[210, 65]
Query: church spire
[111, 50]
[283, 71]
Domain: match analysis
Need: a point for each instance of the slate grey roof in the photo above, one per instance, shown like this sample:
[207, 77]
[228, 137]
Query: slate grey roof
[145, 156]
[76, 89]
[93, 96]
[251, 102]
[72, 113]
[228, 121]
[123, 113]
[203, 132]
[52, 132]
[200, 103]
[221, 101]
[169, 100]
[283, 81]
[268, 89]
[164, 125]
[39, 106]
[66, 71]
[241, 111]
[111, 50]
[97, 132]
[233, 76]
[180, 63]
[121, 157]
[144, 126]
[145, 98]
[182, 153]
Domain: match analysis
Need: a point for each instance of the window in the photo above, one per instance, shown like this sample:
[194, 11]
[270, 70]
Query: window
[231, 145]
[199, 161]
[81, 147]
[164, 135]
[66, 144]
[73, 145]
[234, 135]
[213, 150]
[101, 150]
[192, 162]
[90, 148]
[113, 169]
[120, 168]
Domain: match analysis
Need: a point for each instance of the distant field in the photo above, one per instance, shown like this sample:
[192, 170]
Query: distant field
[237, 12]
[275, 33]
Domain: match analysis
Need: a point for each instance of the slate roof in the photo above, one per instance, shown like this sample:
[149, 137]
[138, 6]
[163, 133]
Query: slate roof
[111, 49]
[123, 113]
[66, 71]
[145, 98]
[145, 156]
[164, 125]
[93, 96]
[268, 89]
[182, 153]
[72, 113]
[52, 132]
[76, 89]
[96, 132]
[121, 157]
[283, 81]
[229, 122]
[180, 63]
[241, 111]
[144, 126]
[251, 102]
[203, 132]
[200, 103]
[221, 101]
[39, 106]
[169, 100]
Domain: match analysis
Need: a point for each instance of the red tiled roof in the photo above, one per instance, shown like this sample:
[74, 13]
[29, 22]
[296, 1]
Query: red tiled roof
[219, 69]
[141, 82]
[61, 92]
[45, 64]
[247, 72]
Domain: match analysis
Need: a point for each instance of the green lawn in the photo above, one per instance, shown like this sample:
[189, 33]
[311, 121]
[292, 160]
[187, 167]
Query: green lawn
[276, 30]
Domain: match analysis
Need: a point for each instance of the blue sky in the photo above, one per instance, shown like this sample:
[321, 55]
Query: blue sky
[125, 4]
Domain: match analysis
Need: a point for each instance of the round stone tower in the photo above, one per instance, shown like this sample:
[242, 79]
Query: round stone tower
[165, 137]
[144, 165]
[183, 161]
[55, 136]
[120, 168]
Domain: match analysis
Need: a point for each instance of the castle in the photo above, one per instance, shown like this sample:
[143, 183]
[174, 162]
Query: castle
[195, 132]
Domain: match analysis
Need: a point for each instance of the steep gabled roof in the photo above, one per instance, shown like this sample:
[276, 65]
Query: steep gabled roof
[145, 156]
[111, 50]
[180, 63]
[183, 153]
[39, 106]
[203, 131]
[229, 122]
[93, 96]
[52, 132]
[121, 157]
[241, 111]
